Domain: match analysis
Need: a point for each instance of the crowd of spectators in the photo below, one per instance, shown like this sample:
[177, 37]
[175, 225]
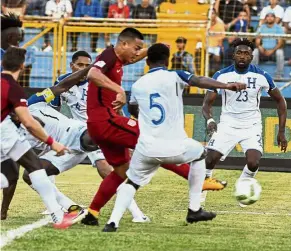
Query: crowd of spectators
[236, 16]
[274, 16]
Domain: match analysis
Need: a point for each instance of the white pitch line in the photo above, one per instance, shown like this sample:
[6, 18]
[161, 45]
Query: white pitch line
[11, 235]
[252, 213]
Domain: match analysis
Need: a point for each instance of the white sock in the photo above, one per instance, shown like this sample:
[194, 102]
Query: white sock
[52, 178]
[63, 200]
[196, 180]
[209, 173]
[125, 195]
[247, 173]
[135, 211]
[45, 189]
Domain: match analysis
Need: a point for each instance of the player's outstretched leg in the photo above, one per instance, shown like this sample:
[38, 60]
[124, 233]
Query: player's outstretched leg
[196, 179]
[182, 170]
[125, 195]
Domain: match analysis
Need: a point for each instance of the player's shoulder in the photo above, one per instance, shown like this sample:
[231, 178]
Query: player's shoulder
[106, 58]
[257, 70]
[224, 71]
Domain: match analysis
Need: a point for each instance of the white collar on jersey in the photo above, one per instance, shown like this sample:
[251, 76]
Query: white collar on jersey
[157, 68]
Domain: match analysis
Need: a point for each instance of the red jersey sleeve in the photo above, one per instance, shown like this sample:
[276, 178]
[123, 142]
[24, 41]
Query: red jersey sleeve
[16, 96]
[106, 60]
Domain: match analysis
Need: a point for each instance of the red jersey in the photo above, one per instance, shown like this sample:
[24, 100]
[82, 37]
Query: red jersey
[99, 100]
[12, 95]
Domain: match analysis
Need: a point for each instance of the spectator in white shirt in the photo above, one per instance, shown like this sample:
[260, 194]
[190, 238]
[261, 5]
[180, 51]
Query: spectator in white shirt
[58, 8]
[276, 8]
[287, 20]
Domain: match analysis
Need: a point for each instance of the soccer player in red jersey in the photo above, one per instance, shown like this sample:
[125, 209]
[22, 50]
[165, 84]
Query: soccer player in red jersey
[114, 133]
[13, 144]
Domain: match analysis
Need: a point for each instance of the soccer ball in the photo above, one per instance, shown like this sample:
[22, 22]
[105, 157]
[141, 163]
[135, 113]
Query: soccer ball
[247, 191]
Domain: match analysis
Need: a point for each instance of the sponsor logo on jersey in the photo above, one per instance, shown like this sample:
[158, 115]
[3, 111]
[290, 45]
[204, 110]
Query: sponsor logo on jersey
[100, 64]
[131, 123]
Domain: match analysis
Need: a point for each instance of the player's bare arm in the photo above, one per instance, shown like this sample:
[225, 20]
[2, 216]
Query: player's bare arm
[209, 83]
[101, 80]
[37, 130]
[68, 82]
[282, 114]
[208, 101]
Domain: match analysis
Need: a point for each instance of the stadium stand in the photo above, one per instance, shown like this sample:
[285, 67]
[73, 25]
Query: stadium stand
[45, 62]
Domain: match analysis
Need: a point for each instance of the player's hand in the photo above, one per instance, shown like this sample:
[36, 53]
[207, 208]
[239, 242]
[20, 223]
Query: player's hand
[236, 86]
[119, 101]
[211, 128]
[59, 148]
[282, 141]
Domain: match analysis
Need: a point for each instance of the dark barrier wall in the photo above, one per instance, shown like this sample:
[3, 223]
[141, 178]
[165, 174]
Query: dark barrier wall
[273, 159]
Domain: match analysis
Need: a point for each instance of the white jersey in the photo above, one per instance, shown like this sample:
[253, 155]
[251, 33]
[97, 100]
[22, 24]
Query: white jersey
[161, 118]
[62, 129]
[75, 98]
[242, 109]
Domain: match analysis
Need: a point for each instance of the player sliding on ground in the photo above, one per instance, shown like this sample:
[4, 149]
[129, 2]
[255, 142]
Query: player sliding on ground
[240, 120]
[14, 145]
[163, 139]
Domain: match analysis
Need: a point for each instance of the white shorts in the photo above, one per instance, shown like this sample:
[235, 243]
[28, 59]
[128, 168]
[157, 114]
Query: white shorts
[65, 162]
[95, 156]
[13, 144]
[142, 168]
[226, 138]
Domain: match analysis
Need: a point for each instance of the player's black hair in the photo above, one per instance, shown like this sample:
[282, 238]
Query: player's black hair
[158, 53]
[80, 54]
[10, 21]
[130, 33]
[13, 58]
[242, 41]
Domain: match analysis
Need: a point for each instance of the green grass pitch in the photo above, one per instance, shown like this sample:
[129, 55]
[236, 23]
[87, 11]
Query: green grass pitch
[266, 225]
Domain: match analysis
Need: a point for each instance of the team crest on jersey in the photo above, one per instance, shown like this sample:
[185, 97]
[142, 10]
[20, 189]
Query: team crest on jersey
[100, 64]
[131, 123]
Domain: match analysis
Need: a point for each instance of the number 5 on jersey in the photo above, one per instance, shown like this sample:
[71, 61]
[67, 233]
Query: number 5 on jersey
[157, 105]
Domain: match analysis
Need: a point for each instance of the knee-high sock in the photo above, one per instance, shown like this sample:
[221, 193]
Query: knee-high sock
[106, 190]
[196, 180]
[135, 210]
[125, 195]
[62, 199]
[46, 190]
[181, 170]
